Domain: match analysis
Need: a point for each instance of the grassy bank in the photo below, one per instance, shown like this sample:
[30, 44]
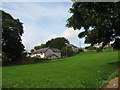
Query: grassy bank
[86, 70]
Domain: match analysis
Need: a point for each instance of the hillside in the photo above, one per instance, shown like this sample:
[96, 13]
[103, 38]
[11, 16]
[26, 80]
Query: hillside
[86, 70]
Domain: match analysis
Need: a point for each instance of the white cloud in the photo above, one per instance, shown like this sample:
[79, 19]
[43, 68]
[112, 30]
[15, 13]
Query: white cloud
[71, 34]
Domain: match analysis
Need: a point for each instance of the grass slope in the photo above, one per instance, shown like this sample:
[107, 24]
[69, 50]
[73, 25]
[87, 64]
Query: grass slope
[88, 70]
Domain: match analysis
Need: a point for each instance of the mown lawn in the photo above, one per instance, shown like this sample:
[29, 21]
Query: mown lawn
[88, 70]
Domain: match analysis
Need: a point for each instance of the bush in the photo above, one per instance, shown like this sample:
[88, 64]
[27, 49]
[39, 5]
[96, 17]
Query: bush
[90, 48]
[99, 49]
[116, 44]
[108, 49]
[80, 50]
[67, 51]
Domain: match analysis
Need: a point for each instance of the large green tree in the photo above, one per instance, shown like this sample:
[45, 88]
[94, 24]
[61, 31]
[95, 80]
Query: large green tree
[12, 30]
[67, 51]
[103, 17]
[39, 46]
[59, 43]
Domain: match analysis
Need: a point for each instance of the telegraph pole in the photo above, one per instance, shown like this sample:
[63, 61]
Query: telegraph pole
[79, 44]
[66, 48]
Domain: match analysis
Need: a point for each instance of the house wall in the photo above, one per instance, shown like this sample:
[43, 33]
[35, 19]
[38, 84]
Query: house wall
[42, 55]
[75, 49]
[53, 57]
[48, 52]
[33, 55]
[38, 55]
[58, 54]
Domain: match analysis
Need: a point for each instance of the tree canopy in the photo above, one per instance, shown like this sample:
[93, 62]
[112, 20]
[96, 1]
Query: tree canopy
[12, 30]
[39, 46]
[59, 43]
[103, 17]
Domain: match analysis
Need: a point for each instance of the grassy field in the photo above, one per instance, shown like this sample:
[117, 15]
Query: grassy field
[86, 70]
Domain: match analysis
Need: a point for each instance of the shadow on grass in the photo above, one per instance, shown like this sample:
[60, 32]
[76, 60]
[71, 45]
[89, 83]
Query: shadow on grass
[115, 63]
[33, 62]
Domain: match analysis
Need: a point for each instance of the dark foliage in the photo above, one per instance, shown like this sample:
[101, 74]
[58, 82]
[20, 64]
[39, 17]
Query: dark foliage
[116, 44]
[39, 46]
[67, 51]
[57, 43]
[103, 17]
[12, 30]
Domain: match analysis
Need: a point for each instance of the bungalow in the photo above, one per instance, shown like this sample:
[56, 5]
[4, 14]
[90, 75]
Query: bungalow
[51, 53]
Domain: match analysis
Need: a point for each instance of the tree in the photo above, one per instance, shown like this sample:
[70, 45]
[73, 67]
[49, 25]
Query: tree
[91, 38]
[116, 44]
[103, 17]
[67, 51]
[12, 30]
[59, 43]
[39, 46]
[32, 50]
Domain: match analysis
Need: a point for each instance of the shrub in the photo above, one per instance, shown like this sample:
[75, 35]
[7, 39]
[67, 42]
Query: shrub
[108, 49]
[90, 48]
[80, 50]
[67, 51]
[99, 49]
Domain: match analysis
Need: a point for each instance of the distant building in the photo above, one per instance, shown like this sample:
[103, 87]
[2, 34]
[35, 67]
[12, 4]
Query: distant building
[101, 44]
[51, 53]
[74, 48]
[98, 45]
[107, 46]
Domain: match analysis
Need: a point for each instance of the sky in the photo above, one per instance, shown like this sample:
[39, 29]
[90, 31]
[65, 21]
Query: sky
[43, 21]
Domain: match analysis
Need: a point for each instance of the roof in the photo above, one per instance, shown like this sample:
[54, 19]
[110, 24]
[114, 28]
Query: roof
[41, 50]
[71, 45]
[52, 55]
[56, 50]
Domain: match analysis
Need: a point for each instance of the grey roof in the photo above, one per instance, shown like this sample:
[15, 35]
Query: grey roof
[41, 50]
[45, 49]
[71, 45]
[56, 50]
[52, 55]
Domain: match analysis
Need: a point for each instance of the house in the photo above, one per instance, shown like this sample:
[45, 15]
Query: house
[50, 53]
[108, 46]
[98, 45]
[74, 48]
[101, 44]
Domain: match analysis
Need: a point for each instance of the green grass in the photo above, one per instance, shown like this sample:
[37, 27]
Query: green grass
[86, 70]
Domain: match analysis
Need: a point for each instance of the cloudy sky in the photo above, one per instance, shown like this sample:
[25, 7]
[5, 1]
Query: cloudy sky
[43, 21]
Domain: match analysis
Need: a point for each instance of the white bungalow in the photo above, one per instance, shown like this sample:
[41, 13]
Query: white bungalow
[51, 53]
